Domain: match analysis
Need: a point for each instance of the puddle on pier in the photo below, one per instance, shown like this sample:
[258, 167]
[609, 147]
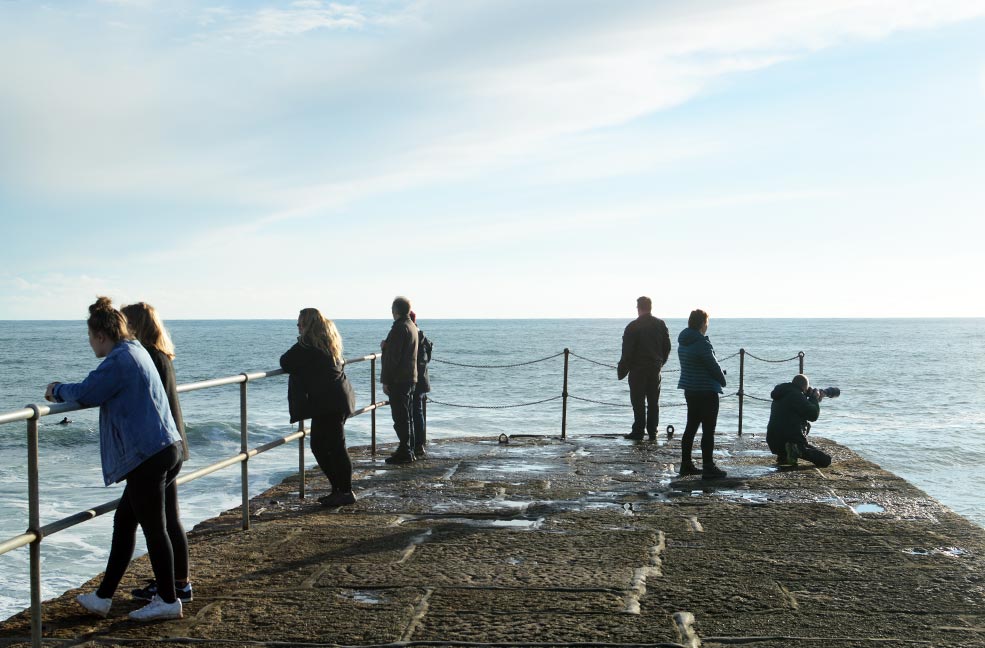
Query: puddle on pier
[371, 597]
[516, 467]
[521, 524]
[954, 552]
[868, 508]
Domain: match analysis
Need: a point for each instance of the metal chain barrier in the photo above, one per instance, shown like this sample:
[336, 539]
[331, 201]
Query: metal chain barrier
[601, 364]
[765, 400]
[505, 366]
[796, 357]
[598, 402]
[546, 400]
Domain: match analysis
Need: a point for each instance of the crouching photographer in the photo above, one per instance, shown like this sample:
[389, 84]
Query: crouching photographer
[795, 405]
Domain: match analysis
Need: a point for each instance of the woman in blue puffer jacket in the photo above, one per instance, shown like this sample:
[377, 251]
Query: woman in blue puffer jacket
[139, 443]
[702, 380]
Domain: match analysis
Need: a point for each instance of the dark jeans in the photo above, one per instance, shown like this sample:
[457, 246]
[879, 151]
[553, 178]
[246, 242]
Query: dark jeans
[401, 404]
[420, 422]
[644, 391]
[702, 409]
[328, 446]
[150, 499]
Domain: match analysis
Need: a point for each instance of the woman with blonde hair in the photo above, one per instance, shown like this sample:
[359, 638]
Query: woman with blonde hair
[146, 326]
[139, 443]
[318, 389]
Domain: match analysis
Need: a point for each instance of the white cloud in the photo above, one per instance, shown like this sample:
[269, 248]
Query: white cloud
[466, 88]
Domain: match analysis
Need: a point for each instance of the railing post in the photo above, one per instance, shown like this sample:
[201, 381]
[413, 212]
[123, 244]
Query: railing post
[372, 414]
[34, 525]
[801, 356]
[301, 461]
[742, 383]
[564, 398]
[244, 448]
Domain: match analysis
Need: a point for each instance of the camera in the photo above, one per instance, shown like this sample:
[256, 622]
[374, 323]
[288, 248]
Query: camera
[829, 392]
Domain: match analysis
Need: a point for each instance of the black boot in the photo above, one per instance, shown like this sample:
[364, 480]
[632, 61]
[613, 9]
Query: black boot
[711, 471]
[688, 468]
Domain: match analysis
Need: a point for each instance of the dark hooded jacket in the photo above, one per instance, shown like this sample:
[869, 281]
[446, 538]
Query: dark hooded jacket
[645, 346]
[424, 346]
[700, 370]
[789, 414]
[317, 385]
[399, 364]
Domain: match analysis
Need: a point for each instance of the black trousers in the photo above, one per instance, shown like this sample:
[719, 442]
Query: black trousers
[420, 423]
[644, 394]
[150, 499]
[328, 446]
[401, 406]
[702, 410]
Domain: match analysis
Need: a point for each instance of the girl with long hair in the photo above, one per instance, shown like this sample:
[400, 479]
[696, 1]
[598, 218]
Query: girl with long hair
[146, 326]
[138, 442]
[318, 389]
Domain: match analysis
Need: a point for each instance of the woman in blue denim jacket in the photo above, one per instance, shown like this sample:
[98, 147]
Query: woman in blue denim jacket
[138, 442]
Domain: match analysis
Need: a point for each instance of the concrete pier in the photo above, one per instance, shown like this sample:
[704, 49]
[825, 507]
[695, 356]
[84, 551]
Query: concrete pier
[588, 541]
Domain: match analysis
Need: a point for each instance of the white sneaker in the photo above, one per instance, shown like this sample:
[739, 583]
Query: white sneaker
[95, 603]
[158, 609]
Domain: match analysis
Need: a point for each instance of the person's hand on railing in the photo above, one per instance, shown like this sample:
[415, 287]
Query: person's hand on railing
[49, 394]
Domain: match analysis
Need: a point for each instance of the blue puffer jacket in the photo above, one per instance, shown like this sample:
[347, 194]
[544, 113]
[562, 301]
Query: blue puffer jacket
[135, 421]
[699, 367]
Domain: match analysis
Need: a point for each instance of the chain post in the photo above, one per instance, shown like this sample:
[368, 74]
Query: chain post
[244, 448]
[801, 356]
[34, 524]
[564, 398]
[301, 480]
[742, 384]
[372, 414]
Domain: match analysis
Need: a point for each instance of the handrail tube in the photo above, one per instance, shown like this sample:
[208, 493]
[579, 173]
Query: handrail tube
[372, 416]
[34, 522]
[17, 542]
[365, 358]
[16, 415]
[78, 518]
[370, 408]
[301, 477]
[742, 384]
[244, 467]
[564, 399]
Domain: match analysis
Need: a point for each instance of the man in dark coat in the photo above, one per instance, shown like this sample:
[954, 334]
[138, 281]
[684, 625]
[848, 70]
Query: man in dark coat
[645, 349]
[795, 405]
[398, 375]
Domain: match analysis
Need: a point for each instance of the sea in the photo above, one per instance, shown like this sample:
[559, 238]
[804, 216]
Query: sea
[910, 401]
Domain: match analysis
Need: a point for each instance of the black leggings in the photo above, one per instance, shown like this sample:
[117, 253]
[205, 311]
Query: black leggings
[702, 409]
[150, 499]
[328, 446]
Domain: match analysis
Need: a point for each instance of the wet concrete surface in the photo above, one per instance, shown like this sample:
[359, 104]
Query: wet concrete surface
[587, 541]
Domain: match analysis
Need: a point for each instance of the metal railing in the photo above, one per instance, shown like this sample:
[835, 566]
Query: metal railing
[33, 413]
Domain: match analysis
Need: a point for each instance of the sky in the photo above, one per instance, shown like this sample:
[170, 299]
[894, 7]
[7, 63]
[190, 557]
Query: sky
[493, 158]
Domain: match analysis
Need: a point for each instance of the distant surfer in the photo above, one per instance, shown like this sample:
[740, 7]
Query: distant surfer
[64, 421]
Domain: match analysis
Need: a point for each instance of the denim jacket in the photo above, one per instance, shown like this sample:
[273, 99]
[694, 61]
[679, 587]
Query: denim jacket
[135, 421]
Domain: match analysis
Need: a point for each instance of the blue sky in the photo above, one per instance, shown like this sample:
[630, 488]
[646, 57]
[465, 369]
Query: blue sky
[493, 158]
